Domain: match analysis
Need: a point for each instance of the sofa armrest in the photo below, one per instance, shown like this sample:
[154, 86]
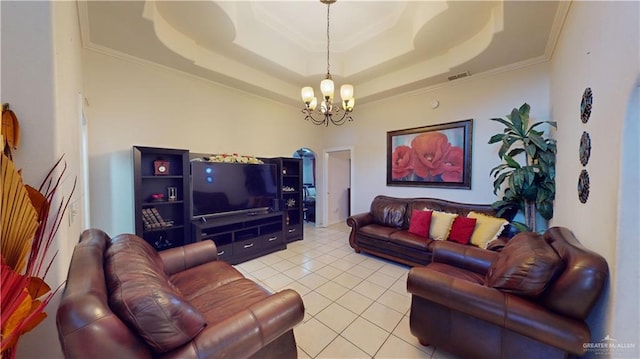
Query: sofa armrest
[521, 315]
[463, 256]
[356, 222]
[246, 332]
[359, 220]
[188, 256]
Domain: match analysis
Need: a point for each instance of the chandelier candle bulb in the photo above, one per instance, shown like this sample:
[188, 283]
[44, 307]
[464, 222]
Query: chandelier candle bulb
[346, 92]
[326, 87]
[313, 104]
[307, 94]
[348, 105]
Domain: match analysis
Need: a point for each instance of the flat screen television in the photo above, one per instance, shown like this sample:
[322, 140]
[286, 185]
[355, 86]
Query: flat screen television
[220, 188]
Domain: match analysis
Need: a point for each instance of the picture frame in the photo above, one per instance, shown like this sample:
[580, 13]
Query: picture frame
[431, 156]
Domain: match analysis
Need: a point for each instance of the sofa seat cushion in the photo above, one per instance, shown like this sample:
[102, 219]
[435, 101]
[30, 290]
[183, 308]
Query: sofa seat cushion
[378, 231]
[228, 299]
[457, 272]
[204, 278]
[408, 239]
[142, 296]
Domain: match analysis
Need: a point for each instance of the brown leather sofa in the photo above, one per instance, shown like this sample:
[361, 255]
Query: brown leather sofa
[125, 300]
[383, 231]
[528, 301]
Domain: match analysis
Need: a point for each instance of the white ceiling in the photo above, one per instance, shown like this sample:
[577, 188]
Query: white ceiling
[273, 48]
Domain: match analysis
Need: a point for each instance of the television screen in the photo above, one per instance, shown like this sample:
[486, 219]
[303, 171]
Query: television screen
[221, 188]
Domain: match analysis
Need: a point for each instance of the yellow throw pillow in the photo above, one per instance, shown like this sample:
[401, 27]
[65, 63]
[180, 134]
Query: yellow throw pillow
[487, 229]
[441, 223]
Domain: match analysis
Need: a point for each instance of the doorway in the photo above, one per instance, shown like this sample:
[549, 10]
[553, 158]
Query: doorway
[337, 177]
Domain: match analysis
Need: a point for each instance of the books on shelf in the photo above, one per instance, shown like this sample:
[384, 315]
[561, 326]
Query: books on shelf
[152, 219]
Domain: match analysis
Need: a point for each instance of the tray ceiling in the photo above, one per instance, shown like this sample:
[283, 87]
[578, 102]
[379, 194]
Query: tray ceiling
[273, 48]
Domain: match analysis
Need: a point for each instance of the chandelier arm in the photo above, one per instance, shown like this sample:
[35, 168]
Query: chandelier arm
[308, 115]
[346, 116]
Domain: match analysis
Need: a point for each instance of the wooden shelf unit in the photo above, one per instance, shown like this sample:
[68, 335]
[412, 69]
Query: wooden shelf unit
[290, 170]
[175, 215]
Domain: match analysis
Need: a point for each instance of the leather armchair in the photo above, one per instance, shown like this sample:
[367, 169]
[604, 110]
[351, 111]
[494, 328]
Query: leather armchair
[456, 308]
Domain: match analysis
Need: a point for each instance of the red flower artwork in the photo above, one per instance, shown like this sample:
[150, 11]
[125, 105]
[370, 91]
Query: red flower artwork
[430, 157]
[431, 149]
[452, 165]
[401, 162]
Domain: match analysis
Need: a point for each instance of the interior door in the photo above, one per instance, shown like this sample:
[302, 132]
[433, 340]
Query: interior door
[339, 179]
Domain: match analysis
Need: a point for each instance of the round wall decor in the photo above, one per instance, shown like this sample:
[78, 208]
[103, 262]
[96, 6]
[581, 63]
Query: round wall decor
[585, 105]
[585, 148]
[583, 186]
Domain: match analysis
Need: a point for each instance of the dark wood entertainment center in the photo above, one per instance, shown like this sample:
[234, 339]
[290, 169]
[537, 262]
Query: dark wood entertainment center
[245, 236]
[167, 222]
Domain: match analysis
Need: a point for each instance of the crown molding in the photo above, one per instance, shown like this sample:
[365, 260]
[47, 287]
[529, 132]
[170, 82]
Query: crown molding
[556, 28]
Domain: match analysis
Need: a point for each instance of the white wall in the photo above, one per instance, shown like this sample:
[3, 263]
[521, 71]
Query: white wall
[479, 97]
[140, 104]
[598, 48]
[41, 79]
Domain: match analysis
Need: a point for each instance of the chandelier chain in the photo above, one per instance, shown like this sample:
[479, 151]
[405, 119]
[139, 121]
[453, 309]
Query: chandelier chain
[328, 40]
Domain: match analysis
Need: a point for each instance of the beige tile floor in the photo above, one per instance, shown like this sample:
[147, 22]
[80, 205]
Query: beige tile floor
[356, 305]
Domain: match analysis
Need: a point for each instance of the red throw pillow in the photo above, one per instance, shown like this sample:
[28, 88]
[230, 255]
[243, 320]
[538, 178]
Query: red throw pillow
[462, 229]
[420, 222]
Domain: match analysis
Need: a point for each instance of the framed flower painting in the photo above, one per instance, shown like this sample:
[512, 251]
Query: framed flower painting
[431, 156]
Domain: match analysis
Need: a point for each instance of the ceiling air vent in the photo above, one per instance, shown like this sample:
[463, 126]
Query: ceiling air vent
[459, 76]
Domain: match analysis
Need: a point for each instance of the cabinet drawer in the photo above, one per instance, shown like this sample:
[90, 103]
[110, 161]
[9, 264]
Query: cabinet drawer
[247, 246]
[294, 231]
[225, 251]
[273, 239]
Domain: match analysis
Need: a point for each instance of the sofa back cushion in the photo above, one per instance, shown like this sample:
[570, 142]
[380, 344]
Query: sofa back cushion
[142, 296]
[526, 266]
[390, 212]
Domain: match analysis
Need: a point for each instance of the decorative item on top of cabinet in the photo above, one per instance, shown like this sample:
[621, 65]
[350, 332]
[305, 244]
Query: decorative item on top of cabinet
[161, 196]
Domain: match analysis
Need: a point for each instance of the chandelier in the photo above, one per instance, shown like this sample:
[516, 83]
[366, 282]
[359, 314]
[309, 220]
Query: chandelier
[329, 112]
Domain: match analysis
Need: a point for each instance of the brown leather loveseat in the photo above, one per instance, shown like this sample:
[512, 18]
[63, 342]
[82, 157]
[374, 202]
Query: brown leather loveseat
[529, 301]
[125, 300]
[384, 230]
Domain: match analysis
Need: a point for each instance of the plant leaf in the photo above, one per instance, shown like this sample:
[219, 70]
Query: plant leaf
[514, 152]
[524, 115]
[511, 162]
[507, 124]
[521, 227]
[517, 122]
[538, 141]
[38, 287]
[19, 218]
[496, 138]
[550, 123]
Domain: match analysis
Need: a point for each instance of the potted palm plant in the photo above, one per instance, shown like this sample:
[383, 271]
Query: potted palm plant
[530, 187]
